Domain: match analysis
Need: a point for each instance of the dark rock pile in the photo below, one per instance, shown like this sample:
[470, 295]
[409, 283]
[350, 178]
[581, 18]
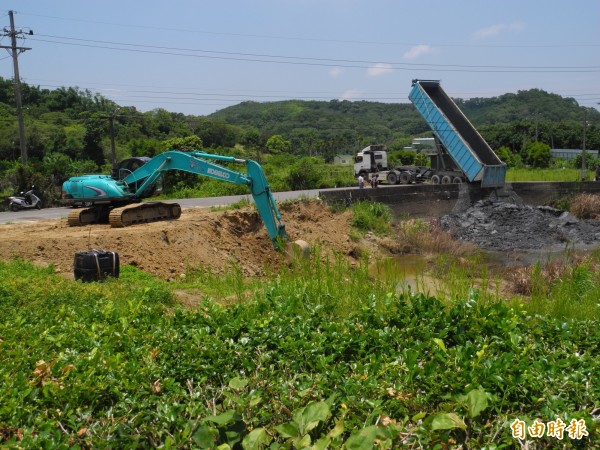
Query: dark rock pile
[506, 226]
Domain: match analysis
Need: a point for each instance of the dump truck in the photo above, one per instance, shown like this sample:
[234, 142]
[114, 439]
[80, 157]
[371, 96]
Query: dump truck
[461, 145]
[462, 155]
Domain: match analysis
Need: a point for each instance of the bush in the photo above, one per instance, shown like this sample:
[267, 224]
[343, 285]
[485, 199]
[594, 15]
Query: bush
[585, 206]
[369, 216]
[538, 154]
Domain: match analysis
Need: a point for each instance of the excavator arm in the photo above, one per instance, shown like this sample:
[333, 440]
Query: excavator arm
[141, 181]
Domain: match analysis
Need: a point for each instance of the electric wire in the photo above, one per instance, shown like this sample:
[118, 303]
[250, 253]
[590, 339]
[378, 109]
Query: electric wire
[306, 61]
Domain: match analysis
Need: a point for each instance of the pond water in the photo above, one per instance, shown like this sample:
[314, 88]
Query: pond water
[438, 275]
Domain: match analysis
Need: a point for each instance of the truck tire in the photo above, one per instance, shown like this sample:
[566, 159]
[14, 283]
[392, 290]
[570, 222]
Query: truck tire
[457, 180]
[435, 179]
[446, 179]
[392, 178]
[405, 178]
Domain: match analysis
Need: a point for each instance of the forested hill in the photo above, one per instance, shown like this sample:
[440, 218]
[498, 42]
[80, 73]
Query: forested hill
[558, 120]
[371, 120]
[79, 124]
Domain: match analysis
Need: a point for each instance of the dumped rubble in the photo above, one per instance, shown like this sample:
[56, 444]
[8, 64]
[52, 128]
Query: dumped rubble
[498, 225]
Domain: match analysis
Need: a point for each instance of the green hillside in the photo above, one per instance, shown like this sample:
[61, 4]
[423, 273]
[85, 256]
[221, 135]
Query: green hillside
[70, 131]
[509, 120]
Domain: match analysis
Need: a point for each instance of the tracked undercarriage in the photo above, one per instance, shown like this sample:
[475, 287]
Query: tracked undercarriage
[126, 215]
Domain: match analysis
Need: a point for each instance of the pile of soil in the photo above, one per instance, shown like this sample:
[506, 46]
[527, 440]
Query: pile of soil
[506, 226]
[201, 238]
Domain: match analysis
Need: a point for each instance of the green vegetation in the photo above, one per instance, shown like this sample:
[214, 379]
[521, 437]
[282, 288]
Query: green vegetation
[529, 174]
[371, 216]
[69, 133]
[320, 354]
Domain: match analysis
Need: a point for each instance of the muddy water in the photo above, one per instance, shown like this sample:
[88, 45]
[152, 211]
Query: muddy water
[417, 273]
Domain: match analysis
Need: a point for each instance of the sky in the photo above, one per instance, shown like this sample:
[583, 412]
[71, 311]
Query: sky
[198, 56]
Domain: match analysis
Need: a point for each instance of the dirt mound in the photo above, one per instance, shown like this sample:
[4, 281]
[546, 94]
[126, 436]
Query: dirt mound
[200, 238]
[503, 226]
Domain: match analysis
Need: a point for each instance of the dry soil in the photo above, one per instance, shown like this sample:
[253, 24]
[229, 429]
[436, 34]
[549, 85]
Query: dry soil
[200, 238]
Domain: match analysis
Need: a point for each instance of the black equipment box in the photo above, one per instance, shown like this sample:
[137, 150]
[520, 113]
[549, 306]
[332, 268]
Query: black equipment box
[96, 265]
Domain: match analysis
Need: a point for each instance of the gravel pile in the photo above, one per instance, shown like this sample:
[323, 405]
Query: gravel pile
[503, 226]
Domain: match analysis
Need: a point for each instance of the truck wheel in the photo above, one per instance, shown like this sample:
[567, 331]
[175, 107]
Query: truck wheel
[405, 178]
[457, 180]
[392, 178]
[446, 179]
[435, 179]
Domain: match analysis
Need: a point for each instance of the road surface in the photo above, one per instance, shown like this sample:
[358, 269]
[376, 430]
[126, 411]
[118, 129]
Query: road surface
[34, 215]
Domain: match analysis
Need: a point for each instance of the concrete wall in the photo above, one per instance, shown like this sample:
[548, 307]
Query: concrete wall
[428, 200]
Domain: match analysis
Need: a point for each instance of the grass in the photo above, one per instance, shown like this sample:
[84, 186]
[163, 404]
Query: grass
[537, 174]
[371, 216]
[321, 354]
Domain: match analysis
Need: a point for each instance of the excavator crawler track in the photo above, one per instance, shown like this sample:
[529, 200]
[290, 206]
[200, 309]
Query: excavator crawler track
[84, 216]
[143, 213]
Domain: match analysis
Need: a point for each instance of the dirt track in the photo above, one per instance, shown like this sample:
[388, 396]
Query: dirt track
[200, 238]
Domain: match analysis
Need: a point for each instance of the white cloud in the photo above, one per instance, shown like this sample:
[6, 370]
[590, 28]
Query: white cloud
[379, 69]
[351, 94]
[496, 29]
[336, 72]
[418, 50]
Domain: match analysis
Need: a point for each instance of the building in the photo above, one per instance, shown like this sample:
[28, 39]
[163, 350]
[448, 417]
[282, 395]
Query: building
[343, 159]
[571, 153]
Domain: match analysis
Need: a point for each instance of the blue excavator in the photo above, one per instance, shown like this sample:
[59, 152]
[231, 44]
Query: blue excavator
[117, 198]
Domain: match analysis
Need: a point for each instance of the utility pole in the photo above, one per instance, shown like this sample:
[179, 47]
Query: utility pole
[15, 53]
[583, 162]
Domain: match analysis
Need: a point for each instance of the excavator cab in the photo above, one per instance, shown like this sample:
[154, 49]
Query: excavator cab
[130, 165]
[127, 166]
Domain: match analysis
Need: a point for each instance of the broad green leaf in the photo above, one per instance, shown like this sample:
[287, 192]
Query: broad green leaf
[238, 383]
[440, 344]
[337, 429]
[303, 443]
[225, 418]
[309, 417]
[322, 444]
[447, 421]
[418, 416]
[288, 430]
[476, 402]
[255, 400]
[363, 439]
[205, 437]
[256, 439]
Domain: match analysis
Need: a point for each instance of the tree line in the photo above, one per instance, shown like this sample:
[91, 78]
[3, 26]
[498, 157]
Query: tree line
[70, 131]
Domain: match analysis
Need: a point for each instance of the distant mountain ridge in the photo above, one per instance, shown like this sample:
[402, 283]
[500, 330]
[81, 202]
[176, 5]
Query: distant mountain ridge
[387, 122]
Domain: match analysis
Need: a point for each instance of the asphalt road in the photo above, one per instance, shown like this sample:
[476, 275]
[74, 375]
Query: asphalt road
[34, 215]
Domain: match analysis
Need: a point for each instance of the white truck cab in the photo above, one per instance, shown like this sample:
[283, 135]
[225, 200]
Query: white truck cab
[370, 159]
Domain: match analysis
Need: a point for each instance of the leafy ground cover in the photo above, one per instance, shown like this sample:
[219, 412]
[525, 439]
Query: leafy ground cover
[321, 356]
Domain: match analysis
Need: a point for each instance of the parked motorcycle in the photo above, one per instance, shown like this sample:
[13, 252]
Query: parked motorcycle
[27, 200]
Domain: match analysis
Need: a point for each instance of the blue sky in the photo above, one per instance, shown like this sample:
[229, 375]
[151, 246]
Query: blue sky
[196, 56]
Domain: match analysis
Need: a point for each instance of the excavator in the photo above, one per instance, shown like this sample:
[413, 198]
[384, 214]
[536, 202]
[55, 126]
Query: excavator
[117, 198]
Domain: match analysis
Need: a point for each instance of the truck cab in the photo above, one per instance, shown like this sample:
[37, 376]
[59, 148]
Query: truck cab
[371, 159]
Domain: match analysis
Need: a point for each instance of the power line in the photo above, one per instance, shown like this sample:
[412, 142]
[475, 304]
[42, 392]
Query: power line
[308, 61]
[94, 85]
[312, 39]
[171, 96]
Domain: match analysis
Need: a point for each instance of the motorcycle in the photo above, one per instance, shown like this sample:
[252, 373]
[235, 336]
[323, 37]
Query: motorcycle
[27, 200]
